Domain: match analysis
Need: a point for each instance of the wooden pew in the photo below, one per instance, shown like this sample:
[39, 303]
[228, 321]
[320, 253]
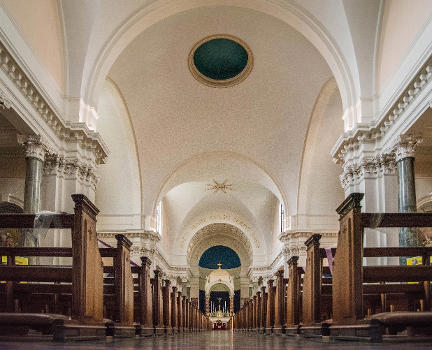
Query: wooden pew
[166, 296]
[294, 296]
[119, 289]
[118, 306]
[85, 275]
[280, 307]
[157, 308]
[317, 292]
[349, 274]
[143, 298]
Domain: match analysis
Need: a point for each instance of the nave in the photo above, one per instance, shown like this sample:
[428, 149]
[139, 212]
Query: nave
[212, 340]
[259, 167]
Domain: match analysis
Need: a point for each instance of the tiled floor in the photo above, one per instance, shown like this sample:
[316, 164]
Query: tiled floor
[218, 340]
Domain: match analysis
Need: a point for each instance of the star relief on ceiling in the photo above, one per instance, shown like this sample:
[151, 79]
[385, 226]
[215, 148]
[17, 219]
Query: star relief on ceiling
[219, 186]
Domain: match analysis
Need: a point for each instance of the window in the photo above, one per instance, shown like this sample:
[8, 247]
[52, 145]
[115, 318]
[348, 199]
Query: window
[281, 218]
[159, 218]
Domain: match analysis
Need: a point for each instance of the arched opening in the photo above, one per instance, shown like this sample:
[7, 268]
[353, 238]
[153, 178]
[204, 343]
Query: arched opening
[219, 265]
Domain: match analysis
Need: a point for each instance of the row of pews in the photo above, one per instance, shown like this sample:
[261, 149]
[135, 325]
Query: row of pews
[349, 299]
[87, 299]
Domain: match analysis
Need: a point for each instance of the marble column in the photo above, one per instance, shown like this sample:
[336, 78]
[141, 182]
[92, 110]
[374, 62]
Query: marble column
[231, 304]
[405, 149]
[35, 155]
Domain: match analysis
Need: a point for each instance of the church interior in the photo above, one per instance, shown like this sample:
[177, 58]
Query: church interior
[245, 174]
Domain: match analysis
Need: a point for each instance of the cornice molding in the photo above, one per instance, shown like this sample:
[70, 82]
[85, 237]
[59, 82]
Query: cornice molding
[64, 130]
[374, 132]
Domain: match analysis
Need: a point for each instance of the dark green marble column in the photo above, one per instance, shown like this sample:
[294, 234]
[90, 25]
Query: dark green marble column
[35, 155]
[408, 237]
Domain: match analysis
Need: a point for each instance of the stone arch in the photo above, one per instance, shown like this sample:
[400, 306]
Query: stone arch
[219, 234]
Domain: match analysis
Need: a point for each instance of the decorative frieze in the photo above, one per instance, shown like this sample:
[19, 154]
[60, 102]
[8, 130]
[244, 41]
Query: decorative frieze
[71, 168]
[355, 171]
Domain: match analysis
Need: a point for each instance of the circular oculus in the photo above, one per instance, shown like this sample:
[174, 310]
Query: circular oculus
[220, 60]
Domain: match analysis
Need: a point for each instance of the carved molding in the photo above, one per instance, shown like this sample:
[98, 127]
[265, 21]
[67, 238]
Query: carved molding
[220, 233]
[369, 167]
[375, 132]
[65, 130]
[34, 146]
[5, 103]
[71, 168]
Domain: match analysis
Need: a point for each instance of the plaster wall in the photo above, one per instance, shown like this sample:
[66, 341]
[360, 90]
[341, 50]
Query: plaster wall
[118, 194]
[40, 25]
[402, 22]
[12, 176]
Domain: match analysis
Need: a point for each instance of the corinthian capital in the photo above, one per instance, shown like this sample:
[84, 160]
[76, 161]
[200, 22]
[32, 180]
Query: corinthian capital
[33, 146]
[406, 146]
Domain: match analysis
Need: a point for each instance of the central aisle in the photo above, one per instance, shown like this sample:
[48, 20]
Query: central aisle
[217, 340]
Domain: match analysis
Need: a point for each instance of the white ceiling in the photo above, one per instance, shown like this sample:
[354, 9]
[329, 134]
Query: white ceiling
[176, 118]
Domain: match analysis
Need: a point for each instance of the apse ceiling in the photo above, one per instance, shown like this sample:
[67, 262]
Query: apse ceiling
[219, 254]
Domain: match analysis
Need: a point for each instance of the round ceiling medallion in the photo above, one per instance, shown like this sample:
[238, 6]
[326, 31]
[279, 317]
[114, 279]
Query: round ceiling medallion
[220, 60]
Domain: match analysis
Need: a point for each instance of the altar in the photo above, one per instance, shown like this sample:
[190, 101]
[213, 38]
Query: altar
[219, 319]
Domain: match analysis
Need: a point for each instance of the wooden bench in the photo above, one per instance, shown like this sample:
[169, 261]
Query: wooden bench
[85, 276]
[119, 289]
[350, 276]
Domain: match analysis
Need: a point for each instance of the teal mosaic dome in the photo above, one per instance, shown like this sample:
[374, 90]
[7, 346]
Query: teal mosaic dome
[220, 58]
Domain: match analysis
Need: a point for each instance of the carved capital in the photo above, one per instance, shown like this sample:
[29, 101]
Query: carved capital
[33, 146]
[406, 146]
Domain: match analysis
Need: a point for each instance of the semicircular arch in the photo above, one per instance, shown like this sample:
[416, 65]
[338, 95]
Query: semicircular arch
[219, 234]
